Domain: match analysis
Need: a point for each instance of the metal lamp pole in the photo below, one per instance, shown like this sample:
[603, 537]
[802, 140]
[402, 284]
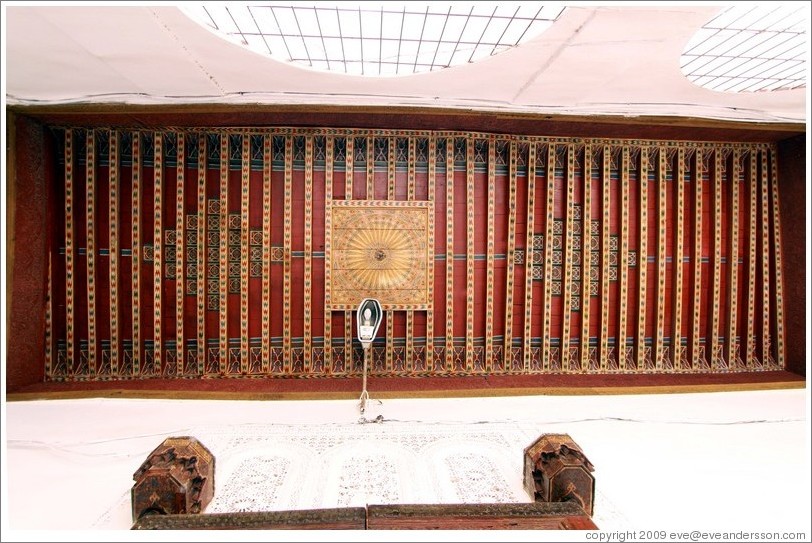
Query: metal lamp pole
[368, 317]
[364, 394]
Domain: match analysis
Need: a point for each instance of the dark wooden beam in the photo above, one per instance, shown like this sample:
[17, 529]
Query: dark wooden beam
[411, 118]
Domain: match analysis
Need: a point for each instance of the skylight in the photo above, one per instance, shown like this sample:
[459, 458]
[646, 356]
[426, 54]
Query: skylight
[751, 47]
[378, 38]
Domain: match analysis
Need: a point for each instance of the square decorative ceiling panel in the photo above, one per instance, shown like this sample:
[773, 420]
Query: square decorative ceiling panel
[378, 250]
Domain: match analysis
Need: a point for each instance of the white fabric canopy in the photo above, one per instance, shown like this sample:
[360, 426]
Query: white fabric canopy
[619, 60]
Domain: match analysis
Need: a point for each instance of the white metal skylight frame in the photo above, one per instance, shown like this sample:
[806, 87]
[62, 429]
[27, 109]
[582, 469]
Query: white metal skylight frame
[377, 38]
[751, 47]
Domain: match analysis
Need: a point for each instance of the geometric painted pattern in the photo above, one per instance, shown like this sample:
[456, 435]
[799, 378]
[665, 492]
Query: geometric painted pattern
[485, 246]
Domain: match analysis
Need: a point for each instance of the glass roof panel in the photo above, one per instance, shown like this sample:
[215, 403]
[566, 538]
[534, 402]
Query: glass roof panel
[748, 48]
[377, 38]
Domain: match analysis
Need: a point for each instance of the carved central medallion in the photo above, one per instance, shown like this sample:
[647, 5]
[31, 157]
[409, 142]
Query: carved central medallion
[378, 250]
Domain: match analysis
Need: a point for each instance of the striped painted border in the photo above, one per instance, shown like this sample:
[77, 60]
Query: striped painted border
[779, 278]
[766, 356]
[115, 249]
[606, 208]
[642, 259]
[432, 172]
[348, 185]
[157, 267]
[660, 354]
[223, 283]
[752, 242]
[548, 256]
[390, 315]
[201, 255]
[528, 260]
[245, 206]
[90, 215]
[567, 361]
[697, 355]
[677, 259]
[49, 324]
[586, 255]
[70, 294]
[308, 257]
[717, 358]
[510, 256]
[733, 357]
[288, 241]
[411, 195]
[621, 347]
[328, 198]
[136, 252]
[469, 255]
[370, 177]
[180, 254]
[489, 301]
[449, 255]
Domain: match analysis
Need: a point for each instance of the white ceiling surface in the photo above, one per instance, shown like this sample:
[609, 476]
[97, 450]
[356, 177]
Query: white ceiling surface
[605, 60]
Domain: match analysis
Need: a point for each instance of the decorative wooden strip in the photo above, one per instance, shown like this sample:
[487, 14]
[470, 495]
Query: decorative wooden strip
[566, 288]
[370, 168]
[157, 264]
[391, 156]
[49, 325]
[752, 241]
[411, 171]
[288, 251]
[308, 256]
[699, 173]
[510, 256]
[348, 183]
[90, 217]
[489, 298]
[410, 194]
[716, 350]
[136, 252]
[390, 195]
[328, 198]
[115, 250]
[432, 172]
[677, 259]
[548, 256]
[245, 204]
[201, 254]
[528, 258]
[779, 266]
[606, 207]
[586, 252]
[660, 354]
[766, 355]
[180, 240]
[69, 251]
[348, 362]
[623, 274]
[348, 167]
[642, 260]
[469, 257]
[390, 334]
[449, 254]
[733, 264]
[224, 159]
